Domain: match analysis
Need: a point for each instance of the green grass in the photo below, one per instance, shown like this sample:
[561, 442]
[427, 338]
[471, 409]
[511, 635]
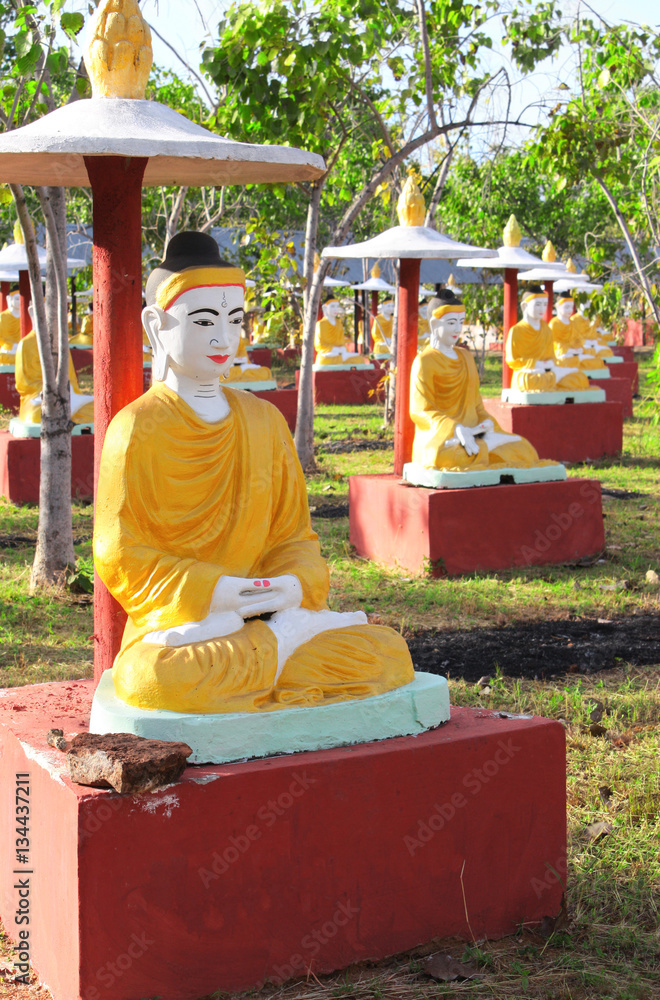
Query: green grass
[608, 944]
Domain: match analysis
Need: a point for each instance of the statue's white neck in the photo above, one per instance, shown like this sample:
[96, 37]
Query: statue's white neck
[447, 349]
[534, 322]
[565, 319]
[206, 398]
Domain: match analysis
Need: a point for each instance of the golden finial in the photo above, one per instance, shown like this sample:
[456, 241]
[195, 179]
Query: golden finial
[549, 254]
[570, 266]
[119, 55]
[410, 207]
[317, 261]
[18, 233]
[375, 271]
[512, 234]
[451, 283]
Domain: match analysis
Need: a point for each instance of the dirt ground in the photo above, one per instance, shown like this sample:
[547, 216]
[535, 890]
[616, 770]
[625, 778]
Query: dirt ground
[539, 650]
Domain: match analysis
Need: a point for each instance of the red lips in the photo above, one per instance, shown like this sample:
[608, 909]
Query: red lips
[218, 358]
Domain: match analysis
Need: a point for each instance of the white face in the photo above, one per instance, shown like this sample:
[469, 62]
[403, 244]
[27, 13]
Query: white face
[387, 309]
[200, 332]
[565, 310]
[332, 310]
[445, 330]
[423, 311]
[14, 304]
[535, 308]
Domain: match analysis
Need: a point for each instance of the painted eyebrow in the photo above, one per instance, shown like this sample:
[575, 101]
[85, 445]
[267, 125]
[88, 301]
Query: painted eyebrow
[238, 309]
[195, 311]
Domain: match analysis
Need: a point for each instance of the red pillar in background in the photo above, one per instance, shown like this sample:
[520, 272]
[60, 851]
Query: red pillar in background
[406, 350]
[117, 219]
[374, 309]
[26, 297]
[548, 311]
[510, 317]
[5, 287]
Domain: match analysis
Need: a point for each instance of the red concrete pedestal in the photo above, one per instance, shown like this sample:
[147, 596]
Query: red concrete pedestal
[260, 356]
[286, 401]
[289, 353]
[83, 361]
[569, 432]
[146, 379]
[629, 370]
[348, 388]
[20, 467]
[9, 398]
[627, 353]
[617, 390]
[450, 532]
[281, 867]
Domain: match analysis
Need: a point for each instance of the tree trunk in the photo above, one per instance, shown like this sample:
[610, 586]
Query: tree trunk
[304, 436]
[54, 553]
[632, 247]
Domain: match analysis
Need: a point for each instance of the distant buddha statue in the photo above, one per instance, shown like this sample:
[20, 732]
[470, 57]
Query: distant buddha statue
[242, 370]
[381, 331]
[29, 385]
[85, 335]
[330, 338]
[10, 329]
[203, 531]
[423, 327]
[571, 334]
[453, 430]
[530, 351]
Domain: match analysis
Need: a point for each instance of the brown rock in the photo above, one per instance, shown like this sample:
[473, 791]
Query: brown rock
[55, 738]
[129, 764]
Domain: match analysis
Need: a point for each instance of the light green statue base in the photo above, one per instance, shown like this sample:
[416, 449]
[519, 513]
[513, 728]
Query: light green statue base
[7, 369]
[81, 347]
[520, 398]
[612, 343]
[342, 368]
[614, 360]
[20, 429]
[146, 364]
[442, 479]
[597, 373]
[265, 386]
[220, 738]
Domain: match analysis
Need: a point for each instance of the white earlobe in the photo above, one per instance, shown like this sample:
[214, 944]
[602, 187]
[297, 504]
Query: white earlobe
[153, 318]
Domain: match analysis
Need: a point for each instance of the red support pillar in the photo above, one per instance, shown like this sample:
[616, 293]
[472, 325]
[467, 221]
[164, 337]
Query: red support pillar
[117, 219]
[548, 291]
[406, 350]
[26, 297]
[510, 317]
[5, 287]
[373, 312]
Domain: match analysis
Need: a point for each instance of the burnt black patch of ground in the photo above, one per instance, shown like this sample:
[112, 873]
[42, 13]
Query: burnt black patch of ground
[538, 650]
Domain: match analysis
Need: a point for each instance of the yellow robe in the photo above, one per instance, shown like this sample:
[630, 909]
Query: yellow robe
[85, 335]
[524, 347]
[10, 335]
[444, 392]
[329, 335]
[29, 383]
[382, 328]
[586, 330]
[181, 502]
[423, 334]
[571, 336]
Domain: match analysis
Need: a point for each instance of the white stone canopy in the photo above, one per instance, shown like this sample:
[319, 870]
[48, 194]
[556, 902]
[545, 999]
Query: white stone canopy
[416, 242]
[548, 272]
[509, 257]
[374, 285]
[51, 150]
[573, 283]
[335, 283]
[13, 257]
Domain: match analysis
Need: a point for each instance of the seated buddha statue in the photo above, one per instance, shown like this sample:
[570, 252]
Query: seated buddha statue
[453, 430]
[571, 335]
[330, 338]
[381, 331]
[29, 384]
[530, 351]
[242, 370]
[10, 329]
[85, 335]
[203, 531]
